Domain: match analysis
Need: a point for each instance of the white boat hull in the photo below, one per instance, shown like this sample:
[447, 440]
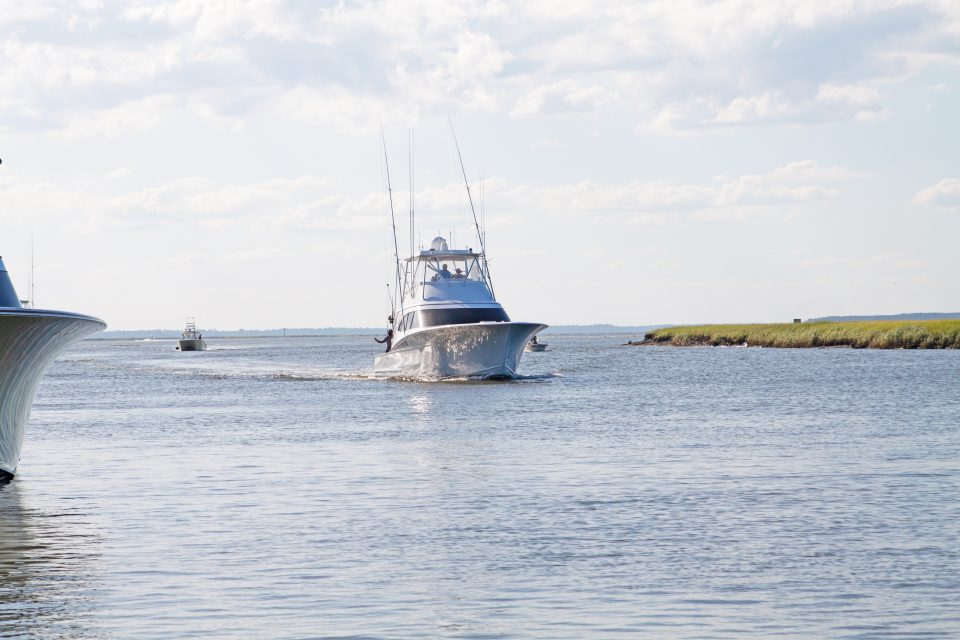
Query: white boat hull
[484, 350]
[30, 339]
[191, 344]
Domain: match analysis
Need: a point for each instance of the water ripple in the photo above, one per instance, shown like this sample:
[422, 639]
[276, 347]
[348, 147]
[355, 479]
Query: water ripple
[277, 489]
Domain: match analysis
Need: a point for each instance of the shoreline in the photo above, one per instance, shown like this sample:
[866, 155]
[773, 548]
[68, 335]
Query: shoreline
[879, 334]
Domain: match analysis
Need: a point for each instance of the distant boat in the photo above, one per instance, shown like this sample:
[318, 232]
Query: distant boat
[190, 338]
[30, 339]
[535, 345]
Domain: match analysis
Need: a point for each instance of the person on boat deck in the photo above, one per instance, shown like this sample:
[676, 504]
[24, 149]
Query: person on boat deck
[388, 340]
[459, 273]
[444, 272]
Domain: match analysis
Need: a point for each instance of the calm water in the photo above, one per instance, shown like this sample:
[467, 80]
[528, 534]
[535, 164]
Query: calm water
[270, 488]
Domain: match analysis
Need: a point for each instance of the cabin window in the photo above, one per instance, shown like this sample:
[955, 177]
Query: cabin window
[437, 317]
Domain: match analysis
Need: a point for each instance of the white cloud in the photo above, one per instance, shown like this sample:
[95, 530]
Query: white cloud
[673, 66]
[117, 174]
[256, 255]
[891, 261]
[338, 107]
[828, 103]
[650, 202]
[795, 182]
[745, 109]
[255, 196]
[595, 198]
[330, 213]
[315, 203]
[219, 20]
[566, 96]
[549, 143]
[945, 194]
[115, 121]
[182, 258]
[188, 201]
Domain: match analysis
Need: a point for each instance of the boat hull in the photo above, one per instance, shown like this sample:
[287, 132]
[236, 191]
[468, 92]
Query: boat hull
[192, 345]
[484, 350]
[535, 347]
[30, 339]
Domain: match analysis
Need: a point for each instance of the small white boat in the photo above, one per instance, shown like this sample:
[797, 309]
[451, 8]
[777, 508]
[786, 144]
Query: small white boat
[190, 338]
[535, 345]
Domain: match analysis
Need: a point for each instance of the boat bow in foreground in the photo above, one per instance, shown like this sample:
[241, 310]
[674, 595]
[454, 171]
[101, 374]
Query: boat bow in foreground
[30, 339]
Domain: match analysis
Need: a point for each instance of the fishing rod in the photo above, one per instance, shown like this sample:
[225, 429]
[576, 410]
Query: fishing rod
[393, 315]
[393, 223]
[476, 223]
[411, 153]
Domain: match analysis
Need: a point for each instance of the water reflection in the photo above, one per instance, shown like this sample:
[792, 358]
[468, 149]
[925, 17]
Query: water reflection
[45, 569]
[420, 404]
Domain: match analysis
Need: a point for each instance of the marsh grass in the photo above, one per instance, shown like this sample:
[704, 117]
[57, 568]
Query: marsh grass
[881, 334]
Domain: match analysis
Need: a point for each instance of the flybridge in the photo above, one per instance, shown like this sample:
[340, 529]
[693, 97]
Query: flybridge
[440, 266]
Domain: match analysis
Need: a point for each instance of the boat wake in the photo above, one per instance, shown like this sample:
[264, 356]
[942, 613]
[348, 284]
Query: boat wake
[367, 376]
[209, 370]
[322, 377]
[536, 378]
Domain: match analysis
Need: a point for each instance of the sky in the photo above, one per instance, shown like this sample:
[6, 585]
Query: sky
[641, 163]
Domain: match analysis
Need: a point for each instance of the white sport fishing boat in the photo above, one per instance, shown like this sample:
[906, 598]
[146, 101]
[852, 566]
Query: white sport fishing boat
[190, 338]
[451, 325]
[30, 339]
[445, 320]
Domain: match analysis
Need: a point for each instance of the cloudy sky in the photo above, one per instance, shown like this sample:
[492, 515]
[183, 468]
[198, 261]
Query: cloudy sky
[643, 163]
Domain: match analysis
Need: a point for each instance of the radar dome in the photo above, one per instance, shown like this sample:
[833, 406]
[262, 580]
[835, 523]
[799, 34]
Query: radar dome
[438, 244]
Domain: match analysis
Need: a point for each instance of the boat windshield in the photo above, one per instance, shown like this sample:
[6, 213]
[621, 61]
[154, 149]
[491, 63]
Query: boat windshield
[451, 268]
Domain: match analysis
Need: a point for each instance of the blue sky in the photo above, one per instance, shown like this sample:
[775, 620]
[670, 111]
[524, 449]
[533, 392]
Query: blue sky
[644, 162]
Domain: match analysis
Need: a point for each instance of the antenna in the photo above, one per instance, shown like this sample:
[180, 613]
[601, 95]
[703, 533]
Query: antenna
[473, 210]
[392, 308]
[393, 223]
[465, 181]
